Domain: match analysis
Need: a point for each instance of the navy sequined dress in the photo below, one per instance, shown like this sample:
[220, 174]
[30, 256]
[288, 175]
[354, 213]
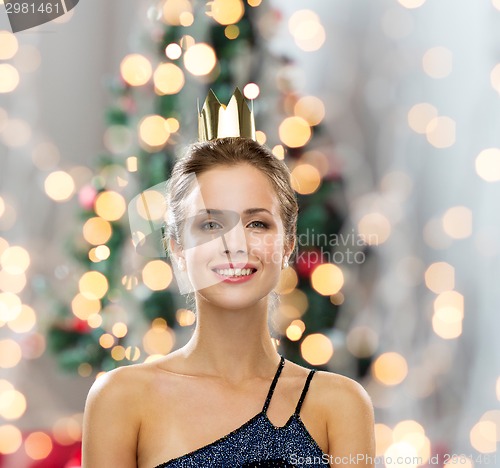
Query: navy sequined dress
[258, 443]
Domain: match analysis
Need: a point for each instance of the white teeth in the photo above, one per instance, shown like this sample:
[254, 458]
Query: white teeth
[235, 272]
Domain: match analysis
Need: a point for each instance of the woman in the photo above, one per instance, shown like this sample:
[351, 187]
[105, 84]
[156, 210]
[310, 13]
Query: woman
[227, 398]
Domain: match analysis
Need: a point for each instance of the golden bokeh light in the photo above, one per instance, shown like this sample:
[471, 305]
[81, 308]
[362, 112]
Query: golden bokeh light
[172, 124]
[168, 79]
[151, 205]
[305, 179]
[232, 31]
[93, 285]
[362, 341]
[295, 132]
[447, 322]
[254, 3]
[38, 445]
[279, 152]
[118, 353]
[102, 252]
[374, 228]
[457, 222]
[97, 230]
[67, 430]
[306, 28]
[390, 368]
[173, 51]
[383, 438]
[10, 306]
[59, 186]
[287, 282]
[12, 283]
[10, 439]
[227, 11]
[441, 132]
[157, 275]
[495, 78]
[327, 279]
[131, 163]
[136, 69]
[200, 59]
[132, 353]
[449, 299]
[12, 404]
[94, 321]
[84, 369]
[295, 330]
[110, 205]
[185, 317]
[15, 260]
[158, 340]
[440, 277]
[10, 354]
[403, 428]
[120, 329]
[8, 45]
[483, 436]
[106, 340]
[420, 115]
[9, 78]
[260, 137]
[410, 4]
[311, 109]
[153, 131]
[438, 62]
[83, 307]
[401, 451]
[25, 321]
[316, 349]
[177, 12]
[251, 91]
[488, 164]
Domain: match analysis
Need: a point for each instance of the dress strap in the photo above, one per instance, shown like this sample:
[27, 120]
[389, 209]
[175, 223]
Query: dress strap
[273, 384]
[304, 391]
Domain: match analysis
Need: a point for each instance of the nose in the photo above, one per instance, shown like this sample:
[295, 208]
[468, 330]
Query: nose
[235, 240]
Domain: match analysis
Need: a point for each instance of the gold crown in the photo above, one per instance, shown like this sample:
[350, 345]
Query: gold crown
[219, 121]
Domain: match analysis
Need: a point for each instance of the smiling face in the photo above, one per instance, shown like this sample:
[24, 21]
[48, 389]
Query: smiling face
[233, 239]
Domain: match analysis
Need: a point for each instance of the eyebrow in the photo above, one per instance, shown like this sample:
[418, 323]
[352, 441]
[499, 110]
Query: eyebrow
[249, 211]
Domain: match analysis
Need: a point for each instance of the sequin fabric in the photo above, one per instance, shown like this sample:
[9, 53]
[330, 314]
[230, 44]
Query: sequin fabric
[260, 444]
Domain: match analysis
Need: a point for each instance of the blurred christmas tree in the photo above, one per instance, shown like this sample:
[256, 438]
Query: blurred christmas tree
[194, 45]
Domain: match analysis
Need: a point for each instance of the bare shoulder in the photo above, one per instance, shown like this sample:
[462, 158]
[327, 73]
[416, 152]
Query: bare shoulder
[350, 418]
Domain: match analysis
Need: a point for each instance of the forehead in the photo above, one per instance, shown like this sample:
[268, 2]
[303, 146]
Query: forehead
[234, 188]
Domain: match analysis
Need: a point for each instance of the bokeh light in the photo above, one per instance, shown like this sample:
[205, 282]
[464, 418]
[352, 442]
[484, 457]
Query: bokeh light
[16, 132]
[251, 91]
[83, 306]
[457, 222]
[136, 69]
[441, 132]
[178, 12]
[45, 155]
[10, 306]
[438, 62]
[305, 179]
[488, 164]
[9, 78]
[97, 230]
[110, 205]
[10, 439]
[294, 132]
[374, 228]
[306, 28]
[311, 109]
[25, 320]
[327, 279]
[12, 404]
[168, 78]
[420, 115]
[157, 275]
[440, 277]
[8, 45]
[10, 353]
[173, 51]
[93, 285]
[483, 436]
[153, 131]
[200, 59]
[390, 368]
[362, 341]
[15, 260]
[411, 4]
[159, 339]
[38, 445]
[316, 349]
[227, 11]
[59, 186]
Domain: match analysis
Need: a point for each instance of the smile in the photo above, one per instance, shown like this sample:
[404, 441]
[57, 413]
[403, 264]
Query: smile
[235, 275]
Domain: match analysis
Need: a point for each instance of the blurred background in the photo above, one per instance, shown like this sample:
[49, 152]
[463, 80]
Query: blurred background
[387, 114]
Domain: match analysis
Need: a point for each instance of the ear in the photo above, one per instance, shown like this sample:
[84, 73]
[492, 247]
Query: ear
[175, 249]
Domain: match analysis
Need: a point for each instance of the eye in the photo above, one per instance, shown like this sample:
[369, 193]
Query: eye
[210, 226]
[259, 224]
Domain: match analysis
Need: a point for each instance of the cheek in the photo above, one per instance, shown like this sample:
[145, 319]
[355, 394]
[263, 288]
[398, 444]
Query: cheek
[268, 247]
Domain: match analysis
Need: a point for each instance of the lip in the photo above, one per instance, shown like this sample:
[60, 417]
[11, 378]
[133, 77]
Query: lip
[236, 279]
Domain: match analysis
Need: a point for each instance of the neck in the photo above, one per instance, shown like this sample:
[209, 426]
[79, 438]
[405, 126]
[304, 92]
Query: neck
[233, 344]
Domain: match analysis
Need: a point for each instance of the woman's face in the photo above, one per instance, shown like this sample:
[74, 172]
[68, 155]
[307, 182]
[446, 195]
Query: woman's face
[233, 239]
